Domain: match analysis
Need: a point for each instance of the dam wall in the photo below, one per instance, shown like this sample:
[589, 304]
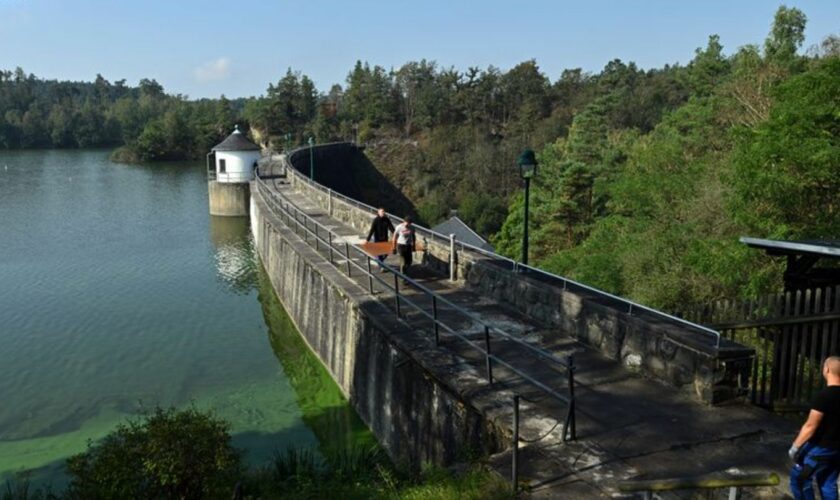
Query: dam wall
[414, 398]
[680, 354]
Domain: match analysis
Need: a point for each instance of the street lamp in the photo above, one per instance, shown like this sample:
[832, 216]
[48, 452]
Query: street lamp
[311, 160]
[527, 169]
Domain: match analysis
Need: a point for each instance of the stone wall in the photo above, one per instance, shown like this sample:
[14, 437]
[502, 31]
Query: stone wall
[399, 384]
[666, 350]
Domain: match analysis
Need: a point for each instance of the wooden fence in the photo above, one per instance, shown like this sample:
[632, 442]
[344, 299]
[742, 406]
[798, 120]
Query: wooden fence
[792, 333]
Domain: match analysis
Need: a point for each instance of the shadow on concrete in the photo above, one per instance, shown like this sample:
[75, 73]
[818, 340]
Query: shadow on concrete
[344, 168]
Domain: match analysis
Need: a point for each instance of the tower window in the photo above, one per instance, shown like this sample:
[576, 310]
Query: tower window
[221, 166]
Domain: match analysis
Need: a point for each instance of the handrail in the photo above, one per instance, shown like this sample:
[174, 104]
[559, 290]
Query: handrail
[291, 211]
[514, 264]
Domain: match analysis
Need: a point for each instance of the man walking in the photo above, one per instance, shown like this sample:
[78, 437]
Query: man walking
[404, 243]
[816, 450]
[380, 229]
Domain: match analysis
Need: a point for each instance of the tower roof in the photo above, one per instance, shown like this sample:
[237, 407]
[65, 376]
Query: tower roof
[236, 142]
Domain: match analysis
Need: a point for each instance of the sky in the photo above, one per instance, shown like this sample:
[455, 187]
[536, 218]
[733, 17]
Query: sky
[237, 47]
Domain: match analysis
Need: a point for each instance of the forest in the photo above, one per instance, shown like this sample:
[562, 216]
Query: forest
[647, 177]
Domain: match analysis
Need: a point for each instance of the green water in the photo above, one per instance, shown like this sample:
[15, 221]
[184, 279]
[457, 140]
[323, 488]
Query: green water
[118, 292]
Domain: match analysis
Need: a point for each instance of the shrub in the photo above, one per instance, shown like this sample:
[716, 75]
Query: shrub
[169, 454]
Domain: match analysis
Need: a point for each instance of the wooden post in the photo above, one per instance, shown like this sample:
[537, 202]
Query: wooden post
[452, 259]
[515, 458]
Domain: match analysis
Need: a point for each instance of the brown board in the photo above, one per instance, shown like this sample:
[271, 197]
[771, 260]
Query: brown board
[383, 248]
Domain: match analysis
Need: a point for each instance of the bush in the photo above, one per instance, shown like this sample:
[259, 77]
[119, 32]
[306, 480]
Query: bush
[170, 454]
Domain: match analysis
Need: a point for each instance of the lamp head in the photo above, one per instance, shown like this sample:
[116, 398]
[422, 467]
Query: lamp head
[527, 162]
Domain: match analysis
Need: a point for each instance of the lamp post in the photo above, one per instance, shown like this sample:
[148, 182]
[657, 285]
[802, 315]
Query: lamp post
[311, 160]
[527, 169]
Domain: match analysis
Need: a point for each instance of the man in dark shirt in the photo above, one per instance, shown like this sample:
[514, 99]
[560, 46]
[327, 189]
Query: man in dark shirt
[816, 450]
[379, 229]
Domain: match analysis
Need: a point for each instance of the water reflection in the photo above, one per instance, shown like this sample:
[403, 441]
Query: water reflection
[324, 408]
[234, 252]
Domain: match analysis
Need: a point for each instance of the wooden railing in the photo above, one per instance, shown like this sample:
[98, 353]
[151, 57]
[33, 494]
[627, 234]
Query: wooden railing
[792, 332]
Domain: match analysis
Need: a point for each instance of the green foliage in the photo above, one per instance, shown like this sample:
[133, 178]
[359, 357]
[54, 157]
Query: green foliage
[169, 454]
[656, 215]
[484, 213]
[788, 168]
[146, 122]
[21, 488]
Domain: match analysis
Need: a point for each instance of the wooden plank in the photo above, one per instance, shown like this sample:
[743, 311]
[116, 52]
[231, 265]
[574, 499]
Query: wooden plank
[778, 322]
[383, 248]
[815, 337]
[835, 330]
[798, 344]
[804, 330]
[764, 363]
[825, 337]
[783, 361]
[714, 481]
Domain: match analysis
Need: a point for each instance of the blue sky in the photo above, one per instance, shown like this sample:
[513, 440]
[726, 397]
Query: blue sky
[207, 48]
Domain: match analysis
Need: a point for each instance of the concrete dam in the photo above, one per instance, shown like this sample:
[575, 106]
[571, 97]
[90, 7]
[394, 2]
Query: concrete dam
[473, 354]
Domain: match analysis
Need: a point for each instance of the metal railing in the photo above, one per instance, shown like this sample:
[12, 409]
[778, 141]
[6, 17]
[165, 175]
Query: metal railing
[308, 228]
[515, 266]
[234, 177]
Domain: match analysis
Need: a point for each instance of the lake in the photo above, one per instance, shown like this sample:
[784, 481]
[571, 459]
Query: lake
[119, 292]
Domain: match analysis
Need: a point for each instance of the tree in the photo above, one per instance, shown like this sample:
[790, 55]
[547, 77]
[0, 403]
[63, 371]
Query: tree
[708, 68]
[786, 36]
[151, 88]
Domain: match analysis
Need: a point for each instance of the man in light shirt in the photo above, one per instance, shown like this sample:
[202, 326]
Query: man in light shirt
[404, 243]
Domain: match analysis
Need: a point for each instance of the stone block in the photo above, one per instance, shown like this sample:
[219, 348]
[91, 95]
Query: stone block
[655, 365]
[667, 349]
[531, 294]
[632, 361]
[572, 306]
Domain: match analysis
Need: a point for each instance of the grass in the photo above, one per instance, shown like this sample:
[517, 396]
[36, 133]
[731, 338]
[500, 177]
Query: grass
[364, 472]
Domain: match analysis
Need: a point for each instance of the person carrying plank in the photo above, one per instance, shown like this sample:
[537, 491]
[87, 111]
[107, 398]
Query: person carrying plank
[404, 242]
[380, 228]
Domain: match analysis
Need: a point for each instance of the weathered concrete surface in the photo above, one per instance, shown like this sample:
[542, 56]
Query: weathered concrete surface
[228, 199]
[629, 426]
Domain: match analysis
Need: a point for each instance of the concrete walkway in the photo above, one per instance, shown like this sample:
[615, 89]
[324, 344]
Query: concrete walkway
[628, 427]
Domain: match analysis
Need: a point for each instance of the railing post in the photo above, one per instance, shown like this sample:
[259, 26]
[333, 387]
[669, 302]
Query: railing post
[329, 202]
[397, 293]
[347, 256]
[515, 459]
[488, 361]
[435, 319]
[316, 237]
[452, 259]
[570, 427]
[370, 274]
[331, 247]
